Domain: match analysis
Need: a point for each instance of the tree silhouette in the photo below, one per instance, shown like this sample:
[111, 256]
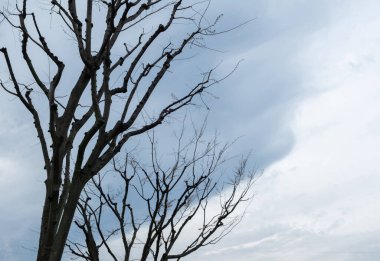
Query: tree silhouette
[76, 123]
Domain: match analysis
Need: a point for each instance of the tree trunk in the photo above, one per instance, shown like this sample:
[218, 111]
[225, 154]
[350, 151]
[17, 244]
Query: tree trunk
[43, 252]
[52, 249]
[67, 217]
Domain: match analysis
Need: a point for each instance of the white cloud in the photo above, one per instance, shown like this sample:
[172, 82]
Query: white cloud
[321, 201]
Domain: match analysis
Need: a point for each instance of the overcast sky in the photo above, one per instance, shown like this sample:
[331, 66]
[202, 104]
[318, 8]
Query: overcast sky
[306, 102]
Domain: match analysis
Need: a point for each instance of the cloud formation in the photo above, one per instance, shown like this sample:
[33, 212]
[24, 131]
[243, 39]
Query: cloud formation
[305, 100]
[320, 202]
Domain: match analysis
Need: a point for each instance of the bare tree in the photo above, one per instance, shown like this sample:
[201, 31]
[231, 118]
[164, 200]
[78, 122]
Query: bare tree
[153, 204]
[77, 128]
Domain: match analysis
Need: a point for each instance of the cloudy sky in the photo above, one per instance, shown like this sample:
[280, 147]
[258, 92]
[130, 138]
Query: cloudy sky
[304, 100]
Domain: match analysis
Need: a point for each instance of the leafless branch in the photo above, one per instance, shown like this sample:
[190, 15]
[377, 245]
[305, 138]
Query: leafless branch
[175, 198]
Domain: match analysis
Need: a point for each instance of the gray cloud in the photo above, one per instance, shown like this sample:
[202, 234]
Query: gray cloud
[259, 102]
